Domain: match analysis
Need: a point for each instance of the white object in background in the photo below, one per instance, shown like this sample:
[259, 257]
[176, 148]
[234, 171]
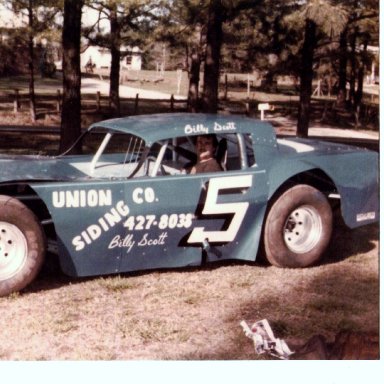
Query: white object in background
[263, 107]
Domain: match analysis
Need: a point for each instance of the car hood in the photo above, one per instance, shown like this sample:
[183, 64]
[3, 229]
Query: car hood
[25, 167]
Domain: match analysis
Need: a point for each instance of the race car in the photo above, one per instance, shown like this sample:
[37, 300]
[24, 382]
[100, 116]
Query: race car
[123, 199]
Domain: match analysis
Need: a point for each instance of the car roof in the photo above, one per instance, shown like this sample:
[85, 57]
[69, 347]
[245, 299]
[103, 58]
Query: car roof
[166, 125]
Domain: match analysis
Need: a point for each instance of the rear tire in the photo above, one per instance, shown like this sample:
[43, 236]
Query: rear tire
[22, 245]
[298, 227]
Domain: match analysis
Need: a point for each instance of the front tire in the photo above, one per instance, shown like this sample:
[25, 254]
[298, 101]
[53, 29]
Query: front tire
[298, 227]
[22, 245]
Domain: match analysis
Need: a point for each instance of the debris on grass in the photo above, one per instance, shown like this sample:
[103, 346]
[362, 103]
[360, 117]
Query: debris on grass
[265, 341]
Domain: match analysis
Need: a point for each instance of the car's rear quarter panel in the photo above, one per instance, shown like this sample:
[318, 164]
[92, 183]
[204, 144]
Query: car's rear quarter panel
[353, 171]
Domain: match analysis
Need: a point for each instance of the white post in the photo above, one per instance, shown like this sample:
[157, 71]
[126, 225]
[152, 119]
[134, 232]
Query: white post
[373, 73]
[179, 73]
[263, 107]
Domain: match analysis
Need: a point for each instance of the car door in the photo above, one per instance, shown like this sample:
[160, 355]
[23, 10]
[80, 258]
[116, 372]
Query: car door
[229, 215]
[180, 219]
[161, 216]
[87, 216]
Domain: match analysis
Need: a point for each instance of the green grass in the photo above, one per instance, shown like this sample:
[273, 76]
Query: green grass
[42, 85]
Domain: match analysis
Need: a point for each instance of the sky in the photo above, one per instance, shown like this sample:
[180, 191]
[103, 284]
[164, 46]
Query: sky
[10, 20]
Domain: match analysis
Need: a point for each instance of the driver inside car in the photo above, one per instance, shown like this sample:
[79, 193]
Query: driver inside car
[205, 149]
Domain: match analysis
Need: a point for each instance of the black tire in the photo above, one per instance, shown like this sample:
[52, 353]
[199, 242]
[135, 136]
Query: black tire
[298, 227]
[22, 245]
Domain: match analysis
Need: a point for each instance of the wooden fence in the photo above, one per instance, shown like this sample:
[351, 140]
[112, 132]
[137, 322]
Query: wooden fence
[20, 102]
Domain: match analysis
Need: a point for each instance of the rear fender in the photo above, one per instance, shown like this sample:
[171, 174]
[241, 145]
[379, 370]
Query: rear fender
[357, 188]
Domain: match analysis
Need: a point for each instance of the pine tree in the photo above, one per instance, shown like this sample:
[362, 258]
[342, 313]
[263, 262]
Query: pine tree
[321, 16]
[362, 26]
[38, 17]
[219, 11]
[182, 27]
[128, 20]
[33, 28]
[71, 109]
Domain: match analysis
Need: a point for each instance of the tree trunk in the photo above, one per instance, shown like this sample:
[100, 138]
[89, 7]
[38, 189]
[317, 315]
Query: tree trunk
[71, 109]
[360, 84]
[32, 100]
[306, 78]
[114, 97]
[194, 79]
[352, 77]
[212, 56]
[343, 60]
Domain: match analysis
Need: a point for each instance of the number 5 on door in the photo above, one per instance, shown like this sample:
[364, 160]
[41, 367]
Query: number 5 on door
[212, 207]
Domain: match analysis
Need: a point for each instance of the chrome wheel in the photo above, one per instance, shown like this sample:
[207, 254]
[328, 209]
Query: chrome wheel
[303, 229]
[22, 245]
[13, 250]
[298, 227]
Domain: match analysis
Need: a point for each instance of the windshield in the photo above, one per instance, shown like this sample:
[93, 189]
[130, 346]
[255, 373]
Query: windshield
[108, 154]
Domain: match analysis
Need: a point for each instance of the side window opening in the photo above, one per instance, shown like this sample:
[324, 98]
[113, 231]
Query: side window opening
[234, 152]
[239, 151]
[178, 152]
[249, 150]
[233, 161]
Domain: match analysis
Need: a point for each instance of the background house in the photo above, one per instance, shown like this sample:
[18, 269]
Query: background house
[131, 58]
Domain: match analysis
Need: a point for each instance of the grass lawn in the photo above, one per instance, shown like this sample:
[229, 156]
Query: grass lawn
[194, 313]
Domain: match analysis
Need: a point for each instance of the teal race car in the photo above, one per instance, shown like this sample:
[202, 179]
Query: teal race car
[124, 199]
